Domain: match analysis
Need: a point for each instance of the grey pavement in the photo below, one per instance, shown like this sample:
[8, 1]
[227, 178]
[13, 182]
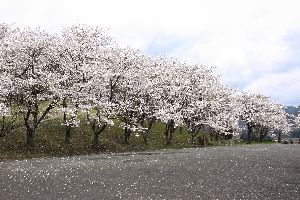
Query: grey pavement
[232, 172]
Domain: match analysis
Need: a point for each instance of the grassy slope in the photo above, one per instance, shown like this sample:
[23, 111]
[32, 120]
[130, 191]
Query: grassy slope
[49, 141]
[50, 135]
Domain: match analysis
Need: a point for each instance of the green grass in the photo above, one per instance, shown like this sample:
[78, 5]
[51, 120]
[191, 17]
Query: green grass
[50, 136]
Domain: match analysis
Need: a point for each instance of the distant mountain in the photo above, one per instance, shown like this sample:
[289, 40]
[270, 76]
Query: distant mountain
[292, 110]
[295, 132]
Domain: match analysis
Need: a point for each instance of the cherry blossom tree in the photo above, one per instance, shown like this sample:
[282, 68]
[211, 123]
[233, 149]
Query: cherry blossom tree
[28, 58]
[170, 94]
[259, 110]
[101, 88]
[81, 54]
[297, 119]
[132, 91]
[7, 119]
[223, 118]
[85, 72]
[8, 115]
[193, 95]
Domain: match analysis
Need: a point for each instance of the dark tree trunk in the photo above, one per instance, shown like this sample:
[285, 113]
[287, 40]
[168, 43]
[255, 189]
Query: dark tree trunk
[169, 140]
[29, 130]
[261, 138]
[30, 136]
[211, 133]
[98, 131]
[96, 139]
[32, 127]
[68, 134]
[226, 136]
[263, 133]
[127, 134]
[170, 129]
[249, 133]
[188, 127]
[216, 136]
[96, 127]
[180, 130]
[68, 128]
[280, 137]
[145, 134]
[253, 135]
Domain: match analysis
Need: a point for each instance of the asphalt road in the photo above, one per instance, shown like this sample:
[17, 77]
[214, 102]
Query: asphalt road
[232, 172]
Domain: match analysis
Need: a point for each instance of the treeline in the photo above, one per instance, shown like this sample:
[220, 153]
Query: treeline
[84, 71]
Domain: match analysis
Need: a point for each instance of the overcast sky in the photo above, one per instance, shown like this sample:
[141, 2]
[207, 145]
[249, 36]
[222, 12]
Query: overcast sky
[253, 44]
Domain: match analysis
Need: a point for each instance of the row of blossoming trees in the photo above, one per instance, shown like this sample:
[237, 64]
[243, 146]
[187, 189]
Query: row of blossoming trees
[84, 71]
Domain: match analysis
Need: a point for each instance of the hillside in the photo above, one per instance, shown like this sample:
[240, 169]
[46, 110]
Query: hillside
[292, 110]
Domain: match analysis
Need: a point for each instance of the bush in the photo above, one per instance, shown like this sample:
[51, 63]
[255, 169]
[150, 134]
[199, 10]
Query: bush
[268, 139]
[291, 141]
[285, 142]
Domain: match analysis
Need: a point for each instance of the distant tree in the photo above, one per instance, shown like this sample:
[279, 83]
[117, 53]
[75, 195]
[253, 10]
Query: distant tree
[258, 110]
[295, 133]
[297, 119]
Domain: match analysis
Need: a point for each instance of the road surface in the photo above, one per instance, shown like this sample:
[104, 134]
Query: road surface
[232, 172]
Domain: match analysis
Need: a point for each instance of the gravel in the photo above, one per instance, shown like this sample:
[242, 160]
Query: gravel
[270, 171]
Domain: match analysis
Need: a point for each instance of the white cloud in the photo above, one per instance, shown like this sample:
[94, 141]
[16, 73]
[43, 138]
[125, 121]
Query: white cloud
[283, 88]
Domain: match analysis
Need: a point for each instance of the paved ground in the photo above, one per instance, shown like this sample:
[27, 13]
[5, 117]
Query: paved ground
[233, 172]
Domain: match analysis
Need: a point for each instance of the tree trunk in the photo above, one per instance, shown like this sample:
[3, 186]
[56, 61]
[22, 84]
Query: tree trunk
[30, 136]
[68, 134]
[253, 136]
[170, 129]
[145, 134]
[68, 128]
[261, 138]
[210, 133]
[226, 136]
[169, 140]
[216, 136]
[249, 133]
[96, 139]
[180, 130]
[280, 137]
[127, 134]
[263, 133]
[98, 131]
